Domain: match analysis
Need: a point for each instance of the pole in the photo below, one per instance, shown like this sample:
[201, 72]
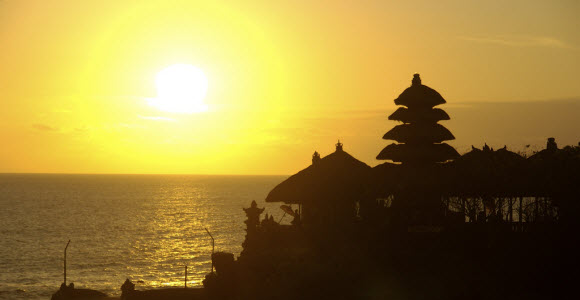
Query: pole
[282, 217]
[212, 247]
[463, 209]
[511, 209]
[65, 261]
[520, 214]
[185, 276]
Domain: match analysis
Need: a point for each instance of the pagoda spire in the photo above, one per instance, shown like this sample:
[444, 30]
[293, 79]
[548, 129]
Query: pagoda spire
[416, 79]
[339, 146]
[420, 138]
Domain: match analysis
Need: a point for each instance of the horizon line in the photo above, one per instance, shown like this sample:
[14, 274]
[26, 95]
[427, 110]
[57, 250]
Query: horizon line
[80, 173]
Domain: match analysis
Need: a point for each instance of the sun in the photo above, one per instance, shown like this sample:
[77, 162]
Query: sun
[181, 88]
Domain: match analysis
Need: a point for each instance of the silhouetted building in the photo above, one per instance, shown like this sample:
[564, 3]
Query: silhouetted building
[420, 137]
[328, 191]
[416, 200]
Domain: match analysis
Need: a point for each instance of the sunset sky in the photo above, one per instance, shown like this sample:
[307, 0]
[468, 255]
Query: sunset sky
[285, 78]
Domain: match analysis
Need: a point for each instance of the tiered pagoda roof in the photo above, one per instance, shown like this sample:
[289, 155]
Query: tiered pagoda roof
[420, 137]
[404, 115]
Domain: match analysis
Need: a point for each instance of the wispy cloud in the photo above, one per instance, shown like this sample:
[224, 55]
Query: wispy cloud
[44, 127]
[519, 41]
[157, 118]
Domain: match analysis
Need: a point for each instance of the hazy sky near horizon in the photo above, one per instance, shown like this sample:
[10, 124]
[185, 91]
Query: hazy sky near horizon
[285, 78]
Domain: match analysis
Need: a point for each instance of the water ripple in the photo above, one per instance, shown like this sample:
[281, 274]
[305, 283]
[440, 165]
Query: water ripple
[143, 227]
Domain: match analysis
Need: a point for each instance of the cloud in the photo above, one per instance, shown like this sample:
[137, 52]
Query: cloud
[44, 127]
[520, 41]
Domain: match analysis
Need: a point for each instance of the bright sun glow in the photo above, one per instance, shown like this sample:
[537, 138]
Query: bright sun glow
[181, 88]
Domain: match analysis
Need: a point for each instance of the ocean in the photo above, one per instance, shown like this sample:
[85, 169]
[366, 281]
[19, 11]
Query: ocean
[143, 227]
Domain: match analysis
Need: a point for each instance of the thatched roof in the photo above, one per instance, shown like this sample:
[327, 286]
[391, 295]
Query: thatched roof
[411, 153]
[555, 170]
[419, 132]
[419, 95]
[338, 176]
[485, 171]
[406, 115]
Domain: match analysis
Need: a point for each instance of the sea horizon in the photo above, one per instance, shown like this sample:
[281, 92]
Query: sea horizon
[184, 174]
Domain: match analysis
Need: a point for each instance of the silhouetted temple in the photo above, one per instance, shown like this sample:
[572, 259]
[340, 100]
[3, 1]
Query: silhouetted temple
[444, 225]
[414, 198]
[420, 137]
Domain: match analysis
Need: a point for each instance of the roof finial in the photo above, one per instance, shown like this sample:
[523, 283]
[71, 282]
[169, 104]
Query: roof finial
[416, 79]
[551, 145]
[339, 146]
[315, 157]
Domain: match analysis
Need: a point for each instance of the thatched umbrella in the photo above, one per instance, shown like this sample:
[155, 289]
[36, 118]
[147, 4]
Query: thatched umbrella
[337, 179]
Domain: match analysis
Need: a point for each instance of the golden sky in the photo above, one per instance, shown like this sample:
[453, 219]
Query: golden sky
[285, 78]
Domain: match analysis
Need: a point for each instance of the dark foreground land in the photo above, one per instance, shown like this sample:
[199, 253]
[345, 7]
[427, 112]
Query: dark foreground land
[479, 260]
[429, 268]
[443, 265]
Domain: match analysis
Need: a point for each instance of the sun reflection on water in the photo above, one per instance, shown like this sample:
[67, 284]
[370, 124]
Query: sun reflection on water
[145, 228]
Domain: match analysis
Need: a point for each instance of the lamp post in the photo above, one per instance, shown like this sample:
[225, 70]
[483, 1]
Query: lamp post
[65, 261]
[185, 276]
[212, 247]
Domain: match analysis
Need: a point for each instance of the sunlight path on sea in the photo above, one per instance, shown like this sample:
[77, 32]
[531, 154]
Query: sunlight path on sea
[142, 227]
